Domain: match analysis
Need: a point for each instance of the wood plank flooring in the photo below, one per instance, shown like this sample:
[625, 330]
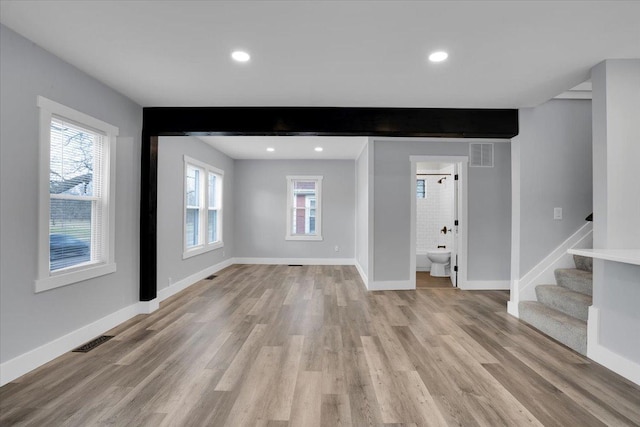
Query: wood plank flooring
[308, 346]
[424, 280]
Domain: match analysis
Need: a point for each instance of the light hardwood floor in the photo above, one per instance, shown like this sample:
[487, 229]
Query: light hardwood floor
[307, 346]
[424, 280]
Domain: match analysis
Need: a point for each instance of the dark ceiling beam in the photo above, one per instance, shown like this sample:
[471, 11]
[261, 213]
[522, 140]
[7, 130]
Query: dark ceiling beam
[330, 121]
[284, 121]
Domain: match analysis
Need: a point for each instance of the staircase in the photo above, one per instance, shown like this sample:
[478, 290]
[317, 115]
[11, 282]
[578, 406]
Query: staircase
[561, 310]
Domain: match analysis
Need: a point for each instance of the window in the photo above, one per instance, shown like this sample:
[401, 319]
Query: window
[203, 207]
[76, 231]
[304, 208]
[421, 189]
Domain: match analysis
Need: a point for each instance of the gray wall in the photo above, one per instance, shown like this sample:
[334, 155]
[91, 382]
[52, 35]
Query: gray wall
[260, 208]
[555, 171]
[171, 151]
[29, 320]
[616, 145]
[489, 208]
[362, 209]
[616, 197]
[616, 295]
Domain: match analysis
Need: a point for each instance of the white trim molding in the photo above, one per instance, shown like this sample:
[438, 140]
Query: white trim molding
[607, 358]
[317, 234]
[296, 261]
[26, 362]
[362, 274]
[103, 210]
[392, 285]
[461, 249]
[485, 285]
[203, 245]
[192, 279]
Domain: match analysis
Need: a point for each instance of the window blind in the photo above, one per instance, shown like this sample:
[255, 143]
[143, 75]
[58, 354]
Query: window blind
[76, 191]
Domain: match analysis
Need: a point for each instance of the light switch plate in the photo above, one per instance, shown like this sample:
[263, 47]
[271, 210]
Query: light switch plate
[557, 213]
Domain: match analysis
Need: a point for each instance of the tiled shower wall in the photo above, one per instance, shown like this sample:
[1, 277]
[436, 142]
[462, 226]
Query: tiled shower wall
[435, 211]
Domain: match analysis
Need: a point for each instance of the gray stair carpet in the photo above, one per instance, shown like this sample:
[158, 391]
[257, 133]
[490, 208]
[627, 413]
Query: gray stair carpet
[562, 310]
[583, 263]
[564, 300]
[568, 330]
[575, 280]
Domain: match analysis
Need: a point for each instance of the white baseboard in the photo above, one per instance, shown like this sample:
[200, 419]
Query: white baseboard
[20, 365]
[148, 307]
[302, 261]
[543, 272]
[512, 309]
[607, 358]
[183, 284]
[363, 275]
[485, 285]
[392, 285]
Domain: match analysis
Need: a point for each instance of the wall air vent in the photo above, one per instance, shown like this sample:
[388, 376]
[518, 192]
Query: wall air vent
[481, 155]
[85, 348]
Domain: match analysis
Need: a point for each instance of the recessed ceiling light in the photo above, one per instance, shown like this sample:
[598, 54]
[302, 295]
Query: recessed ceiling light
[318, 149]
[438, 56]
[240, 56]
[271, 149]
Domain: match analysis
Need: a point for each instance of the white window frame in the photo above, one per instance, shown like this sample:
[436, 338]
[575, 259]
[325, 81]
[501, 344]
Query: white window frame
[46, 279]
[203, 230]
[318, 234]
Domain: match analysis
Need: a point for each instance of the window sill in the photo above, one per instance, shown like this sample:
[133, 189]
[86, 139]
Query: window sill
[64, 279]
[303, 237]
[199, 250]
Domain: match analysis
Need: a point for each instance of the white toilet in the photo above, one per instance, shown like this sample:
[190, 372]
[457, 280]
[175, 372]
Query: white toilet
[440, 265]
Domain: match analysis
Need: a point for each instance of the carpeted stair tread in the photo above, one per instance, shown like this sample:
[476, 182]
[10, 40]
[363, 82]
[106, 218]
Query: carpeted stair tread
[583, 262]
[564, 328]
[575, 280]
[564, 300]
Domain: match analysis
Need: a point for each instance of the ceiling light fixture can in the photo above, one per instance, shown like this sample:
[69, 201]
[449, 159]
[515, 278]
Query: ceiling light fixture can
[318, 149]
[271, 149]
[240, 56]
[438, 56]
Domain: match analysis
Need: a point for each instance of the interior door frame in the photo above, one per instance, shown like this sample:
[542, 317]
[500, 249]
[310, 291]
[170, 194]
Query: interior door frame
[462, 163]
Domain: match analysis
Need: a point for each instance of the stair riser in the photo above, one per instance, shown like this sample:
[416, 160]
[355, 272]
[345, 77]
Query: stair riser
[572, 335]
[583, 263]
[575, 307]
[579, 282]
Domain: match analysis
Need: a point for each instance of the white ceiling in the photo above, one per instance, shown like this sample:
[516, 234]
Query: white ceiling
[333, 53]
[287, 147]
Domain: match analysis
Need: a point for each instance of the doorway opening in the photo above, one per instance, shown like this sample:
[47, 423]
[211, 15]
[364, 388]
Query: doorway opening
[438, 221]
